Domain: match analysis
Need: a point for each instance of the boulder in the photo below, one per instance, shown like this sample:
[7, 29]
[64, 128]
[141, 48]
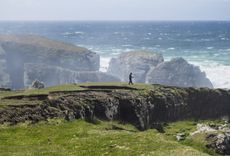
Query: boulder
[178, 72]
[203, 128]
[180, 136]
[22, 49]
[220, 142]
[37, 84]
[138, 62]
[217, 136]
[53, 75]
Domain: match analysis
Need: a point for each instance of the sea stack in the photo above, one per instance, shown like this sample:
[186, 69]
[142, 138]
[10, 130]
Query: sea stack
[16, 51]
[178, 72]
[138, 62]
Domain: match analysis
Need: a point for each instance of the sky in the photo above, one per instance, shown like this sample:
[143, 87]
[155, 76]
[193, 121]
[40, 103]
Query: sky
[114, 10]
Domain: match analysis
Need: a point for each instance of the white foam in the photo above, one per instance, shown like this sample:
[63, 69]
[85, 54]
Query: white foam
[116, 33]
[126, 45]
[115, 53]
[224, 39]
[104, 64]
[209, 48]
[73, 33]
[79, 33]
[218, 74]
[67, 33]
[206, 39]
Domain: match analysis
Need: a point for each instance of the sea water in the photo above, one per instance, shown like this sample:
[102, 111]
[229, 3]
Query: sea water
[205, 44]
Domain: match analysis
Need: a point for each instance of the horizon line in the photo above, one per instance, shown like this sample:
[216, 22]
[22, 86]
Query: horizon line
[138, 20]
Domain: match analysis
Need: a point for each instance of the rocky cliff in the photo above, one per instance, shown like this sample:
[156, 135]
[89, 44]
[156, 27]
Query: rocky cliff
[138, 62]
[150, 67]
[4, 76]
[18, 50]
[178, 72]
[145, 107]
[52, 75]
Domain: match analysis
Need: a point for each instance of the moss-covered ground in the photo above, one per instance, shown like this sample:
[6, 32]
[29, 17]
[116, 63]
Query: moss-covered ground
[59, 137]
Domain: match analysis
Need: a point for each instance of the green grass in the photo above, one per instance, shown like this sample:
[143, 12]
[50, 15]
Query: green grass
[71, 87]
[186, 127]
[40, 41]
[65, 87]
[58, 137]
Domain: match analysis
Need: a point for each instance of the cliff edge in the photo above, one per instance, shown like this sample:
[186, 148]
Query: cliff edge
[141, 105]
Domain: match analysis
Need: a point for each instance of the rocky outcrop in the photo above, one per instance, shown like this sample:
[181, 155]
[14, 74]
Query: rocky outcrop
[178, 72]
[219, 142]
[22, 49]
[138, 62]
[150, 68]
[216, 137]
[142, 108]
[52, 75]
[4, 76]
[37, 84]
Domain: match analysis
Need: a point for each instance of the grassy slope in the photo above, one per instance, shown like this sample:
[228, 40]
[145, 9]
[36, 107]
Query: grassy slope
[65, 87]
[57, 137]
[41, 42]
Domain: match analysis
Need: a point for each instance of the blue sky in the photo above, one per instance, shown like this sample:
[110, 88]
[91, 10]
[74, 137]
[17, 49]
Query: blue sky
[114, 9]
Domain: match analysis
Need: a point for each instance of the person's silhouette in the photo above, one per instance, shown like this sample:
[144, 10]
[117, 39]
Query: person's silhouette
[131, 79]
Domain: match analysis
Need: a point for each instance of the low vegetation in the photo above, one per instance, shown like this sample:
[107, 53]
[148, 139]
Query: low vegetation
[64, 87]
[78, 137]
[59, 137]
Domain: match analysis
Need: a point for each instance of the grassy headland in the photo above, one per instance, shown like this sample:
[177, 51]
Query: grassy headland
[51, 135]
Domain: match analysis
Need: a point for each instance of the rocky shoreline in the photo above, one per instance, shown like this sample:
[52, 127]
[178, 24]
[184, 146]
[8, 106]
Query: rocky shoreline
[25, 58]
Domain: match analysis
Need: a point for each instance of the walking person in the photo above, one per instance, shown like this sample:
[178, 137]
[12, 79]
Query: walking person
[131, 79]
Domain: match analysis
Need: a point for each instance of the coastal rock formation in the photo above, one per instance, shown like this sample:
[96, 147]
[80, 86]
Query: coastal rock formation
[143, 108]
[4, 76]
[149, 106]
[178, 72]
[138, 62]
[52, 75]
[21, 49]
[150, 68]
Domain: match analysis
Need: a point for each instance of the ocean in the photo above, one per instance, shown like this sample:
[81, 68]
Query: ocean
[205, 44]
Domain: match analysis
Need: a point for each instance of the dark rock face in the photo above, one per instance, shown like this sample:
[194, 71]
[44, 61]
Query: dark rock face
[20, 50]
[52, 75]
[138, 62]
[142, 109]
[37, 84]
[178, 72]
